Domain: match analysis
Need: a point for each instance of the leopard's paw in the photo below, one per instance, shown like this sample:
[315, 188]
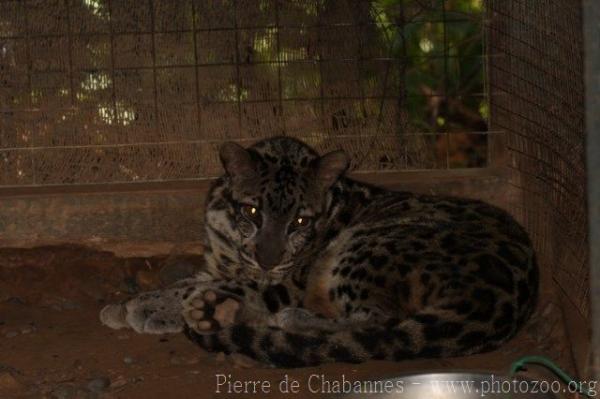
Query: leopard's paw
[143, 316]
[208, 311]
[114, 316]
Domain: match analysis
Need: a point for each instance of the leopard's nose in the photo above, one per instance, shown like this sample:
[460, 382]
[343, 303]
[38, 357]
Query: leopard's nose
[269, 256]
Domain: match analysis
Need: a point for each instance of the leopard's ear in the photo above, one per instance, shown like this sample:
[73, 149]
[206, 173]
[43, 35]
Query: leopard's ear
[330, 167]
[237, 160]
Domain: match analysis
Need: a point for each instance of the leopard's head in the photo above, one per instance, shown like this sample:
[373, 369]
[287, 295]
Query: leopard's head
[262, 215]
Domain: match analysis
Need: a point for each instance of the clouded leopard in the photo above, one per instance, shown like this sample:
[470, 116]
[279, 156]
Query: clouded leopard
[307, 266]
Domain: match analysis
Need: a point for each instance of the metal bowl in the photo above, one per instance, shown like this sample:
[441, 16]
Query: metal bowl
[454, 386]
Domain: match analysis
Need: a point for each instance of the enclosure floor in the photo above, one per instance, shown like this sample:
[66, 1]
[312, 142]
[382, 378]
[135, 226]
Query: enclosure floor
[53, 345]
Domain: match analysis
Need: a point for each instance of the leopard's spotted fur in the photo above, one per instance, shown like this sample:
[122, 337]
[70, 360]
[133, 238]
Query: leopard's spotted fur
[373, 274]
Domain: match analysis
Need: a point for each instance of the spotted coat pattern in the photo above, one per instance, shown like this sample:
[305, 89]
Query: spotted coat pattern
[392, 275]
[315, 267]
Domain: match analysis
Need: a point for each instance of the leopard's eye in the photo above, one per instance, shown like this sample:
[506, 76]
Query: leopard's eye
[250, 212]
[302, 221]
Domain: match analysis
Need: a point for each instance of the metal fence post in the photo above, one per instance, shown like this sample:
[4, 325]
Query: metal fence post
[591, 22]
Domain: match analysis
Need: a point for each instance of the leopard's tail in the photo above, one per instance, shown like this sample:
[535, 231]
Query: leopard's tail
[453, 328]
[426, 335]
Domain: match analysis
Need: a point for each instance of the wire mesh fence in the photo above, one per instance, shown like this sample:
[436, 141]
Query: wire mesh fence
[537, 77]
[105, 91]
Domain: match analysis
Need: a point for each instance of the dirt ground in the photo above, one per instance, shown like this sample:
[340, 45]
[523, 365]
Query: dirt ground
[52, 344]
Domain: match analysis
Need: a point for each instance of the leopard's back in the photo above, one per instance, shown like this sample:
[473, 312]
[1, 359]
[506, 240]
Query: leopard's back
[463, 269]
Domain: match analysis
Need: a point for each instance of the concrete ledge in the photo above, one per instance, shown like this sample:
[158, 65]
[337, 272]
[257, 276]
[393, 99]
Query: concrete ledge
[143, 220]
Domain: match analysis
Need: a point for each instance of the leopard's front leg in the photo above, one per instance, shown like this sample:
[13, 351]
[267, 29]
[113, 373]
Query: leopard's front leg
[211, 308]
[154, 312]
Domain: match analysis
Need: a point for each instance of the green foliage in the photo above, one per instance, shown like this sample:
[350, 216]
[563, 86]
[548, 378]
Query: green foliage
[440, 44]
[426, 56]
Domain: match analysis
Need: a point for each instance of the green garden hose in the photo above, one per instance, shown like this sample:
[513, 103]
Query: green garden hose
[550, 365]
